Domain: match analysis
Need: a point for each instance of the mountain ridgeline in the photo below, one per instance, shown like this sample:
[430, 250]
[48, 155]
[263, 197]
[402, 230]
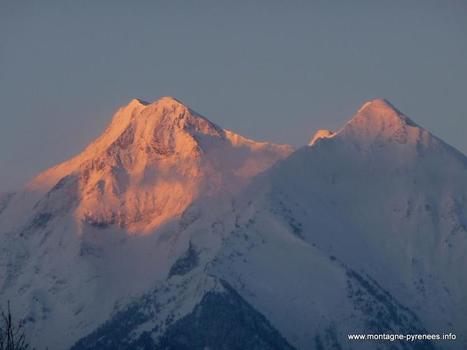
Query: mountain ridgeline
[169, 232]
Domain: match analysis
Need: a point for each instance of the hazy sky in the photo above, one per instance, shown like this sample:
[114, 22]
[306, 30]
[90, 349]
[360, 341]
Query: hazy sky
[269, 70]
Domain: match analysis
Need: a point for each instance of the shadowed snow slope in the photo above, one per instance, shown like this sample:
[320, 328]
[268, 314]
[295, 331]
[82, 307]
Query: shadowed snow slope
[168, 232]
[381, 197]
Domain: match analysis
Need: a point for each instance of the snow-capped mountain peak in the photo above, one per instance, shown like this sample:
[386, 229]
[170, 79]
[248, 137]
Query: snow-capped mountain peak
[378, 118]
[378, 104]
[129, 194]
[165, 125]
[151, 162]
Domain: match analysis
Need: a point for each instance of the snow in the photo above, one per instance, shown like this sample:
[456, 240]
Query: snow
[151, 163]
[383, 197]
[320, 134]
[102, 228]
[377, 209]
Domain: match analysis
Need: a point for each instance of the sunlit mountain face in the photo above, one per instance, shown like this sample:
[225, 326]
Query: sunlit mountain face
[169, 232]
[152, 162]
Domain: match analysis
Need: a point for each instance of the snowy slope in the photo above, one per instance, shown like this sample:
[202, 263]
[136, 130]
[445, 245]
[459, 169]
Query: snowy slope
[169, 232]
[362, 231]
[379, 203]
[88, 234]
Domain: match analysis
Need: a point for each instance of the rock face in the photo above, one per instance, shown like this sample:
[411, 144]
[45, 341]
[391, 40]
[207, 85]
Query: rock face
[169, 232]
[221, 320]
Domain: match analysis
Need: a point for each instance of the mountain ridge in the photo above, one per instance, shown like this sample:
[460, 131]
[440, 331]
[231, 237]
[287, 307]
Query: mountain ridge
[357, 232]
[163, 143]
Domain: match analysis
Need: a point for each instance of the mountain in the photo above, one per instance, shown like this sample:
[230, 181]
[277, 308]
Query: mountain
[366, 230]
[170, 233]
[152, 162]
[105, 225]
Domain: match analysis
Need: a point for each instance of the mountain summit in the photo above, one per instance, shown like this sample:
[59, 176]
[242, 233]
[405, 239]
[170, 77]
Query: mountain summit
[378, 127]
[152, 161]
[378, 119]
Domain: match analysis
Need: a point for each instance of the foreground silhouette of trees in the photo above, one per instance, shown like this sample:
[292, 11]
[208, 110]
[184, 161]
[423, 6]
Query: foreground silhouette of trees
[12, 335]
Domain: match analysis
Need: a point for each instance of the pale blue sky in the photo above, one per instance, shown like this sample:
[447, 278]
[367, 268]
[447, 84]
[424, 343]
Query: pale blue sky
[270, 70]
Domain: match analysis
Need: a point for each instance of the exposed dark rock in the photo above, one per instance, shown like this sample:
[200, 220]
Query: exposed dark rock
[223, 320]
[383, 313]
[187, 262]
[38, 222]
